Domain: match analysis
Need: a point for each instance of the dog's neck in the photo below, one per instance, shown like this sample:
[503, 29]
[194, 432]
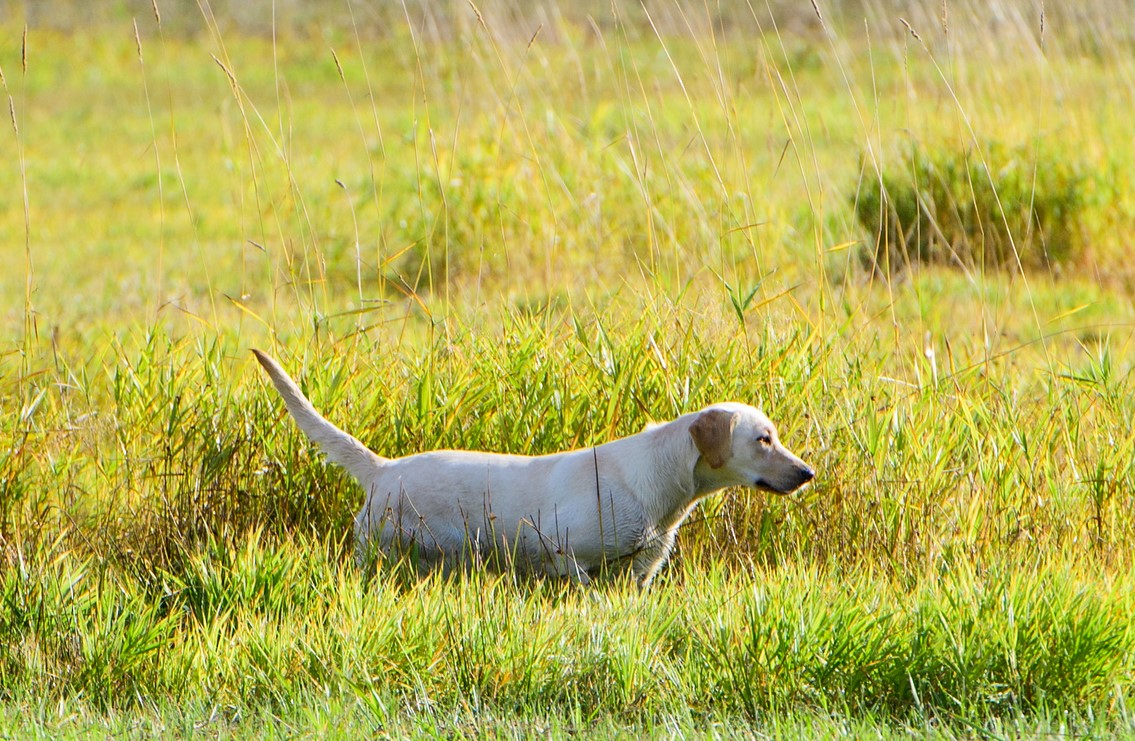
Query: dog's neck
[671, 468]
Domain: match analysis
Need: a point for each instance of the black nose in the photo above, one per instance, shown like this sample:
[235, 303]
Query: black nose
[807, 474]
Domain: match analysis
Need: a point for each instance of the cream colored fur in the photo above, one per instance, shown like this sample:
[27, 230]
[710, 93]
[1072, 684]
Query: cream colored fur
[616, 505]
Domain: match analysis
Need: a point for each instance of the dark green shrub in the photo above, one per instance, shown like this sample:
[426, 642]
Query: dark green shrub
[949, 206]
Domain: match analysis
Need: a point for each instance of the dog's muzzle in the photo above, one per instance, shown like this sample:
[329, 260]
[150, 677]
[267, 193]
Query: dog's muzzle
[799, 477]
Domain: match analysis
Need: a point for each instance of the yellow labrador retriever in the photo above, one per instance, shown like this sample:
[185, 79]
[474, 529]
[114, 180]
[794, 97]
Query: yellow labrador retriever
[570, 514]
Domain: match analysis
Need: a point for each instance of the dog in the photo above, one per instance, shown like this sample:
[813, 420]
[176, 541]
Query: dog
[615, 506]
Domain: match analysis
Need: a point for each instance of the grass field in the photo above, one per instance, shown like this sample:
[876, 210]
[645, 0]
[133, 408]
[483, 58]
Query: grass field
[529, 229]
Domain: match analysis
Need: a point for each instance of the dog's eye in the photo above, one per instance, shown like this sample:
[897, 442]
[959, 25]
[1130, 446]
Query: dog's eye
[765, 439]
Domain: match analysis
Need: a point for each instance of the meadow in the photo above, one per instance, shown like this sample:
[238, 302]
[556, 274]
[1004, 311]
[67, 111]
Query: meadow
[528, 228]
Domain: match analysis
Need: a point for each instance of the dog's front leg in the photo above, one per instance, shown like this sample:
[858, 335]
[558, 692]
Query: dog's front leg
[651, 556]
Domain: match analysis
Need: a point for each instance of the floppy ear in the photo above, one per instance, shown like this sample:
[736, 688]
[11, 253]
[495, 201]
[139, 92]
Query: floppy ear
[712, 432]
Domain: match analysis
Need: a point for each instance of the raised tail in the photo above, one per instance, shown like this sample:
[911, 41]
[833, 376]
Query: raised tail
[339, 447]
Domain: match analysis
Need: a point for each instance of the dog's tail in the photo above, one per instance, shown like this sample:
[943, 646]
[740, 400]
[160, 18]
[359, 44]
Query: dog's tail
[339, 447]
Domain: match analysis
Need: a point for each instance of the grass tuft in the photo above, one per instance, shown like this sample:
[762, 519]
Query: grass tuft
[993, 207]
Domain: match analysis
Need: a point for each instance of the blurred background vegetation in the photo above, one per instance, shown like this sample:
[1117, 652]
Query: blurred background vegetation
[1091, 27]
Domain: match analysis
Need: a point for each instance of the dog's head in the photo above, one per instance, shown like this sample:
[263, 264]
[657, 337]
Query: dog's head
[738, 446]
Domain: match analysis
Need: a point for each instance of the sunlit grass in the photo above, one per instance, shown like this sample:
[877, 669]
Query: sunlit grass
[492, 238]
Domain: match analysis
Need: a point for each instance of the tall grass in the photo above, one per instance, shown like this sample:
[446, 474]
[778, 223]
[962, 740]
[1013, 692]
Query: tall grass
[531, 229]
[249, 627]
